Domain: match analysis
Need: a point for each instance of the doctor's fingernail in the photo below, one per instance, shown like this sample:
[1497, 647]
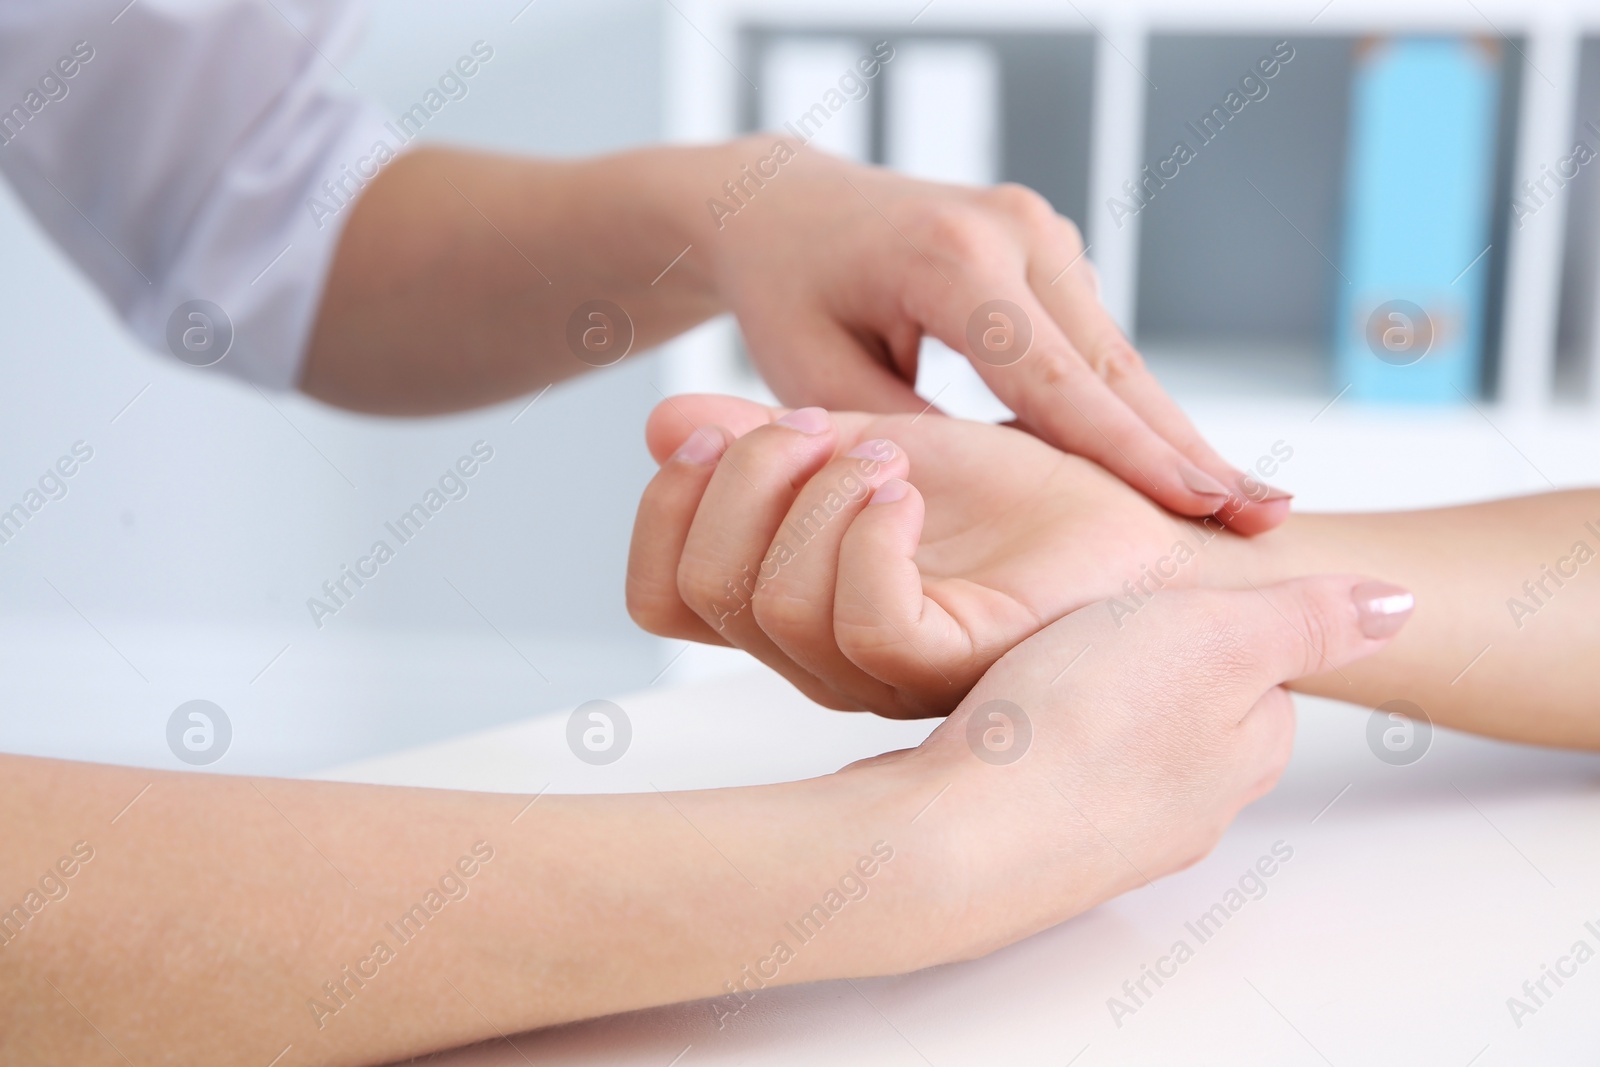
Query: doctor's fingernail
[1382, 608]
[890, 491]
[806, 420]
[1200, 482]
[1259, 492]
[704, 447]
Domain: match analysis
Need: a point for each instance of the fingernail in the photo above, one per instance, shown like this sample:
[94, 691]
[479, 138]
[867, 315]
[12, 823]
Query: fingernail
[1274, 493]
[703, 447]
[1382, 608]
[890, 491]
[878, 449]
[806, 420]
[1256, 491]
[1200, 482]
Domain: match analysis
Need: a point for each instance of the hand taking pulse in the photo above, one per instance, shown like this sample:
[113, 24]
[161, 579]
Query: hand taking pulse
[758, 533]
[837, 270]
[834, 270]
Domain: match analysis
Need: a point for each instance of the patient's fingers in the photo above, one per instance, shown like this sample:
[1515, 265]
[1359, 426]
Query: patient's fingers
[882, 620]
[666, 512]
[740, 511]
[676, 417]
[794, 600]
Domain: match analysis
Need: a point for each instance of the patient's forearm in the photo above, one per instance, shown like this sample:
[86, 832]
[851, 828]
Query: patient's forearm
[222, 919]
[1505, 639]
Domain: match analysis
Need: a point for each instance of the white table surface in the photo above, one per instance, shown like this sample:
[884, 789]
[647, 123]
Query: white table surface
[1413, 907]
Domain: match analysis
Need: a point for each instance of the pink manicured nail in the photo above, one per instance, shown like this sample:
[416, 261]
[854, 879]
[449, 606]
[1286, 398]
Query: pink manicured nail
[890, 491]
[1255, 491]
[878, 449]
[806, 420]
[1274, 493]
[1382, 608]
[703, 447]
[1200, 482]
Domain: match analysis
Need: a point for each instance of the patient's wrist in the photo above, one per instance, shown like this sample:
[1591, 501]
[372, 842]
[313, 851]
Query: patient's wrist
[1231, 561]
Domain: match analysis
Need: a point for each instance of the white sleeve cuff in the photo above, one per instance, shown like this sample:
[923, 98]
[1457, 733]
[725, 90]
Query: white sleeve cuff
[263, 243]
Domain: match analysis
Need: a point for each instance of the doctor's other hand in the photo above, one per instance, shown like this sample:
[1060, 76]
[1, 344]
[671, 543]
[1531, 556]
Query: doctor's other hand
[884, 561]
[1092, 759]
[837, 270]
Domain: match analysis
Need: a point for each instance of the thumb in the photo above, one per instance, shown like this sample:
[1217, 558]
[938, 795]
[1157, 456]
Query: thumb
[1312, 625]
[824, 363]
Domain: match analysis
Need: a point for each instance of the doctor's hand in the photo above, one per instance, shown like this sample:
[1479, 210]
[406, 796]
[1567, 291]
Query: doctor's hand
[758, 532]
[464, 278]
[836, 271]
[1092, 759]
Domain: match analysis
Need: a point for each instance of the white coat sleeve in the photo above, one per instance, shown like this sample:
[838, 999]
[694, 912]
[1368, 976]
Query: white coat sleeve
[191, 155]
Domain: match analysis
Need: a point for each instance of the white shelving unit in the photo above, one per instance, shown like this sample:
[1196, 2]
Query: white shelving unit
[703, 90]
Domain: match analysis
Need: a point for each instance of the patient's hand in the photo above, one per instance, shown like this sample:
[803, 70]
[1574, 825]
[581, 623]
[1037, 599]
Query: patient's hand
[760, 535]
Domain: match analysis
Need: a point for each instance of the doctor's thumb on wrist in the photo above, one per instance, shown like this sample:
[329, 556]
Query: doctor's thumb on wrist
[1317, 624]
